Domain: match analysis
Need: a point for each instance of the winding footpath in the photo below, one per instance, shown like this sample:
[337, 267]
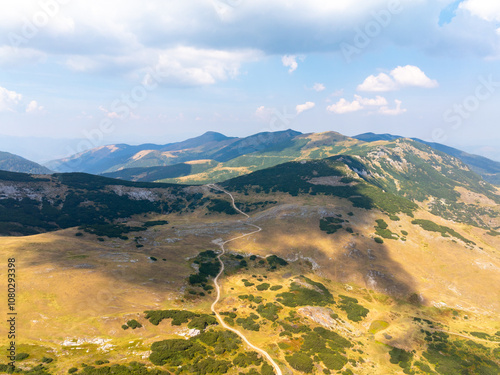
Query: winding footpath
[217, 287]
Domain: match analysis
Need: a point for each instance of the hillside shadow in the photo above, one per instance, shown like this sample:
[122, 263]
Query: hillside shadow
[341, 256]
[371, 263]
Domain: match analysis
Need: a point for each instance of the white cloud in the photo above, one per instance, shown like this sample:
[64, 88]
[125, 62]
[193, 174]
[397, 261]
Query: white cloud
[304, 107]
[488, 10]
[187, 66]
[402, 76]
[359, 103]
[382, 82]
[378, 101]
[411, 75]
[126, 28]
[33, 107]
[290, 61]
[343, 106]
[9, 100]
[392, 112]
[319, 87]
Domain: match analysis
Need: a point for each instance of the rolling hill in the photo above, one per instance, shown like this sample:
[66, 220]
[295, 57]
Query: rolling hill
[14, 163]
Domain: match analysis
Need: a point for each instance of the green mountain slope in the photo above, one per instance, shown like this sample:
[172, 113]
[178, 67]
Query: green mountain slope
[301, 147]
[408, 173]
[487, 168]
[14, 163]
[210, 145]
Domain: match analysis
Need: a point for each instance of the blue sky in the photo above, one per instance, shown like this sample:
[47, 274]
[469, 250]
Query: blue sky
[162, 71]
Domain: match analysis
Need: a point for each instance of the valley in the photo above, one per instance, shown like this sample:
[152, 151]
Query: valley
[383, 260]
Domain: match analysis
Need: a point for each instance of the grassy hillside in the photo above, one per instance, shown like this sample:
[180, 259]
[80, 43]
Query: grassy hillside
[487, 168]
[14, 163]
[151, 174]
[318, 302]
[232, 157]
[211, 145]
[394, 176]
[30, 205]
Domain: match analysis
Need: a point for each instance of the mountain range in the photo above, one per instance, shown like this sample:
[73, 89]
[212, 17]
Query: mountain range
[213, 157]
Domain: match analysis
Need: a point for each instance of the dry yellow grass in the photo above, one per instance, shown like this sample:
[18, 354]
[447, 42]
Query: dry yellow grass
[72, 288]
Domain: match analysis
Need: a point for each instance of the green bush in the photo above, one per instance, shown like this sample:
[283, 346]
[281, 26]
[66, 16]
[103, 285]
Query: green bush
[249, 322]
[198, 321]
[263, 286]
[21, 356]
[269, 311]
[382, 224]
[378, 240]
[221, 206]
[276, 287]
[333, 360]
[266, 369]
[430, 226]
[247, 359]
[202, 322]
[355, 311]
[72, 370]
[330, 225]
[274, 261]
[300, 362]
[302, 296]
[134, 324]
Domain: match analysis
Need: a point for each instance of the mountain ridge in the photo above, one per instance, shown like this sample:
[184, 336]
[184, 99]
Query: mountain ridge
[15, 163]
[236, 156]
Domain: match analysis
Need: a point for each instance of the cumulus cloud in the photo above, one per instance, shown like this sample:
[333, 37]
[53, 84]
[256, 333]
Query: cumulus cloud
[378, 101]
[319, 87]
[34, 107]
[486, 9]
[402, 76]
[188, 66]
[359, 103]
[9, 100]
[290, 61]
[304, 107]
[344, 106]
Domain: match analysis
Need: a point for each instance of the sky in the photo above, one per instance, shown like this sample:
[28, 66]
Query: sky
[77, 74]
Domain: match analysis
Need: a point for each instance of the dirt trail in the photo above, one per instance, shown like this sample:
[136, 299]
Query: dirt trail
[217, 287]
